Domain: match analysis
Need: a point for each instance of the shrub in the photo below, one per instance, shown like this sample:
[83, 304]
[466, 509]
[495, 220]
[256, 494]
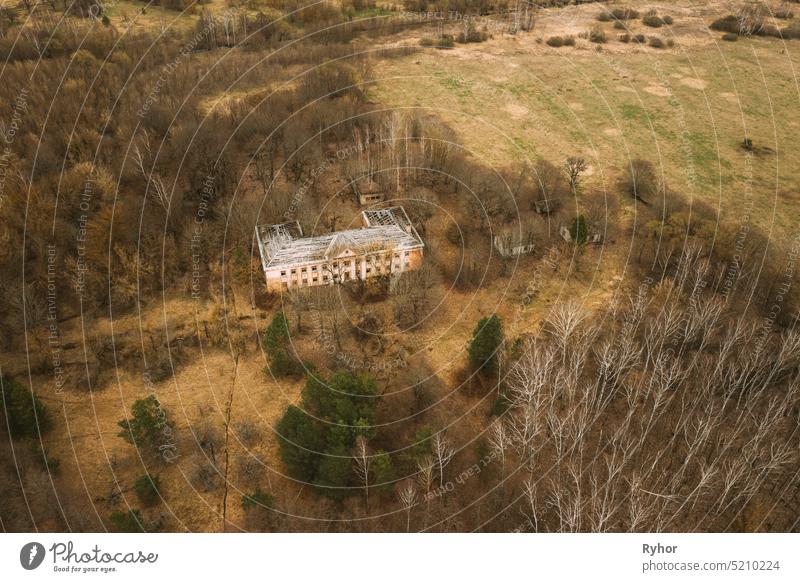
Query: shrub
[769, 30]
[726, 24]
[445, 41]
[751, 17]
[626, 38]
[639, 38]
[473, 36]
[792, 31]
[453, 234]
[604, 17]
[784, 14]
[27, 416]
[730, 37]
[668, 20]
[653, 20]
[148, 427]
[555, 41]
[579, 231]
[258, 507]
[656, 42]
[569, 41]
[147, 489]
[257, 499]
[127, 521]
[619, 25]
[624, 14]
[597, 35]
[43, 458]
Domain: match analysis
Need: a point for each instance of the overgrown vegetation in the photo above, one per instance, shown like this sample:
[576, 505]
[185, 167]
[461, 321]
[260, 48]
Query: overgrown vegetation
[277, 343]
[22, 411]
[148, 428]
[316, 437]
[148, 489]
[484, 348]
[127, 521]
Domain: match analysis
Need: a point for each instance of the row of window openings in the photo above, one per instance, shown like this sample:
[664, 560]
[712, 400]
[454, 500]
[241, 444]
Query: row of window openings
[347, 264]
[315, 278]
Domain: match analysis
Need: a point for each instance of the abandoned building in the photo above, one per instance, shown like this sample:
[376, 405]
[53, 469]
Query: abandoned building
[367, 191]
[387, 243]
[513, 244]
[591, 237]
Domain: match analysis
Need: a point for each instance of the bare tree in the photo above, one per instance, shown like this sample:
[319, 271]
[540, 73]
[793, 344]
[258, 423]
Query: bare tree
[640, 181]
[442, 453]
[154, 181]
[425, 478]
[408, 499]
[550, 187]
[499, 441]
[363, 463]
[574, 167]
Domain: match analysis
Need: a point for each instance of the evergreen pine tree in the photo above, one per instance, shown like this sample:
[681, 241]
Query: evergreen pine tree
[485, 344]
[27, 416]
[282, 360]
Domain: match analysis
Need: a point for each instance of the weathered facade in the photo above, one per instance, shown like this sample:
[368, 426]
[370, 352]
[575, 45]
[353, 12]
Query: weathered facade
[388, 243]
[513, 245]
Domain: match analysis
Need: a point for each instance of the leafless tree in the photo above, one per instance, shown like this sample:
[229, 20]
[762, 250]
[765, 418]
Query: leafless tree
[408, 499]
[564, 322]
[574, 166]
[425, 479]
[442, 453]
[640, 181]
[550, 185]
[145, 168]
[363, 463]
[499, 441]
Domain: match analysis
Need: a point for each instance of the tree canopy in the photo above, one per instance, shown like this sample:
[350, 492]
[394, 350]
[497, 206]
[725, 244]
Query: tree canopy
[315, 440]
[25, 413]
[485, 344]
[282, 360]
[149, 427]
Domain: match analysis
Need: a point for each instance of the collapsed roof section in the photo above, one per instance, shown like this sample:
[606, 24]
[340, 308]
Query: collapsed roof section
[385, 229]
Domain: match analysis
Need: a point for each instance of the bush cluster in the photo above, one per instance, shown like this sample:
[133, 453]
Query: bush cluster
[618, 14]
[653, 20]
[444, 41]
[559, 41]
[597, 35]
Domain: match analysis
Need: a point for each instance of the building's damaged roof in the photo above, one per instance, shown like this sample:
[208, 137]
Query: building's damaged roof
[284, 244]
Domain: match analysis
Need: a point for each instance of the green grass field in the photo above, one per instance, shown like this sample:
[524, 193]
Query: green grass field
[687, 109]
